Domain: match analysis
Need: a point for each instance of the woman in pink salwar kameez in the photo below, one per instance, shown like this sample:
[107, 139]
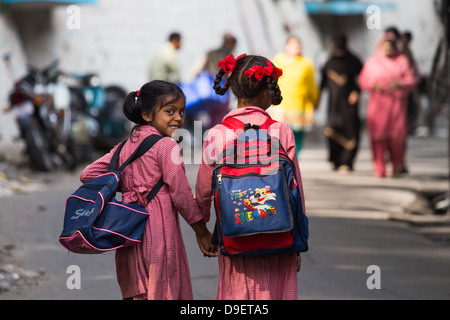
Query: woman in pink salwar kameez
[388, 77]
[157, 268]
[262, 278]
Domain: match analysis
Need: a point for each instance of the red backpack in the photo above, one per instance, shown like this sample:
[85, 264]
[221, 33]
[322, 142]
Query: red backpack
[256, 196]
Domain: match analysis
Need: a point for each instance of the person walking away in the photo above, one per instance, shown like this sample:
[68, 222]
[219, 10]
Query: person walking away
[300, 92]
[389, 78]
[164, 65]
[212, 57]
[253, 81]
[212, 109]
[339, 76]
[156, 268]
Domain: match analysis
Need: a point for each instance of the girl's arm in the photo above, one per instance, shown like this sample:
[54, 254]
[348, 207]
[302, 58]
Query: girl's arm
[288, 141]
[203, 187]
[174, 176]
[98, 167]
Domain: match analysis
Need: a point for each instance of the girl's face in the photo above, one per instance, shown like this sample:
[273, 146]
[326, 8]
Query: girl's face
[168, 118]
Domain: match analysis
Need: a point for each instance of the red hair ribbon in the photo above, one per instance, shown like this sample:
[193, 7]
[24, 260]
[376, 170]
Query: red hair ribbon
[229, 63]
[138, 94]
[259, 72]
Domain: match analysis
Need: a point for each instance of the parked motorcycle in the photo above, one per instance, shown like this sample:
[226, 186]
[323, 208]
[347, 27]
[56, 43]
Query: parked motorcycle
[42, 110]
[102, 108]
[61, 117]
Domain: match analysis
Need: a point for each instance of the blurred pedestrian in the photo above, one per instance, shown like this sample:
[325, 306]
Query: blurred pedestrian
[211, 108]
[299, 89]
[212, 57]
[389, 79]
[164, 65]
[339, 75]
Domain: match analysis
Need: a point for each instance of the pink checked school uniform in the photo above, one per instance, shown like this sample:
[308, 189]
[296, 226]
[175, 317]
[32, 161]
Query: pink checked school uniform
[157, 268]
[260, 278]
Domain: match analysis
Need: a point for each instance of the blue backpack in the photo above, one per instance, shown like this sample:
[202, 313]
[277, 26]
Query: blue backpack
[94, 221]
[257, 199]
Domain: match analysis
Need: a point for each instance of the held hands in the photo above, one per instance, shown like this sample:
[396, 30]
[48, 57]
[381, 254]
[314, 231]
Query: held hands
[204, 239]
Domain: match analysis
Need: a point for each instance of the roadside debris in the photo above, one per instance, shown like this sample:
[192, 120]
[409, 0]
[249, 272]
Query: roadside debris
[13, 276]
[20, 185]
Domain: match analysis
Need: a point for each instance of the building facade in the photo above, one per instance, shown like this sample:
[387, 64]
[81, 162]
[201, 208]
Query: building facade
[116, 39]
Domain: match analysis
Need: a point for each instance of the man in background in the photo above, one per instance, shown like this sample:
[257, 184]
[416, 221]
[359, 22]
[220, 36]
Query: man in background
[164, 65]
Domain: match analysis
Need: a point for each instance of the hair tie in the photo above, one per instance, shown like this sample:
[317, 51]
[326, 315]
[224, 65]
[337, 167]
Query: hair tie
[259, 72]
[229, 63]
[138, 94]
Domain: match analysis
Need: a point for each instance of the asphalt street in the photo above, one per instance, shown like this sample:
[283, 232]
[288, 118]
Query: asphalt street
[364, 243]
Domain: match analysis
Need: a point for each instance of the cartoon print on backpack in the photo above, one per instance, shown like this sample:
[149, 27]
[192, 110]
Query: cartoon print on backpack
[257, 203]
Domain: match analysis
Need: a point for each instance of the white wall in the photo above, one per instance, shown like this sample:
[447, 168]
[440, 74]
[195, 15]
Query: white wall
[118, 38]
[12, 66]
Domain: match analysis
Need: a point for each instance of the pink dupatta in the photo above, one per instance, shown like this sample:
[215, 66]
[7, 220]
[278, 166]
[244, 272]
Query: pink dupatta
[386, 109]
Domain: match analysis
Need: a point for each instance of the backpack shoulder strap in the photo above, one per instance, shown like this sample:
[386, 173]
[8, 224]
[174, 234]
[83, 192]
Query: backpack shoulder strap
[233, 123]
[114, 163]
[145, 145]
[267, 123]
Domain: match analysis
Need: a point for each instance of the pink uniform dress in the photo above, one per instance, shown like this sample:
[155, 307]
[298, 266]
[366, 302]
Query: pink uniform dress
[157, 268]
[256, 278]
[387, 120]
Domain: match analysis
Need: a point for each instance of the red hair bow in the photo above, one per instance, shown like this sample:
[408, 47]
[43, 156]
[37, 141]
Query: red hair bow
[259, 72]
[229, 63]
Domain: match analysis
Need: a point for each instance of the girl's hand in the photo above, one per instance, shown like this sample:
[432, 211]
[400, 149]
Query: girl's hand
[204, 239]
[205, 245]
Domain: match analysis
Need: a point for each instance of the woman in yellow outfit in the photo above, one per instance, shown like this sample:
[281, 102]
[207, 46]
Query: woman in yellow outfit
[299, 90]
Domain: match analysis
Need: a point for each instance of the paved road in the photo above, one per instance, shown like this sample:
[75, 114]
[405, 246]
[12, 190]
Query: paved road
[350, 229]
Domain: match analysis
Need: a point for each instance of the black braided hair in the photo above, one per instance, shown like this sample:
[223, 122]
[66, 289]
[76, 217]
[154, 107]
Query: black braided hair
[217, 86]
[242, 86]
[274, 89]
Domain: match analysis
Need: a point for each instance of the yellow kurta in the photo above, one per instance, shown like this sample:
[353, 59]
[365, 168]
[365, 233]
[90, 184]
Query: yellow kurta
[299, 92]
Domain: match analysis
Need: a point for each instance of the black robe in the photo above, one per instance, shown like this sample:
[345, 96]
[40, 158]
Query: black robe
[343, 123]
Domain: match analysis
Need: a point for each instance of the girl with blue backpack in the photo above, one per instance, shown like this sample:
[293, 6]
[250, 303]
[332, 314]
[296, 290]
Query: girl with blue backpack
[157, 268]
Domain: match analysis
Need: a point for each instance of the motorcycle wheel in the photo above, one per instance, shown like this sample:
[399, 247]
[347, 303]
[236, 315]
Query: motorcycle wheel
[37, 146]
